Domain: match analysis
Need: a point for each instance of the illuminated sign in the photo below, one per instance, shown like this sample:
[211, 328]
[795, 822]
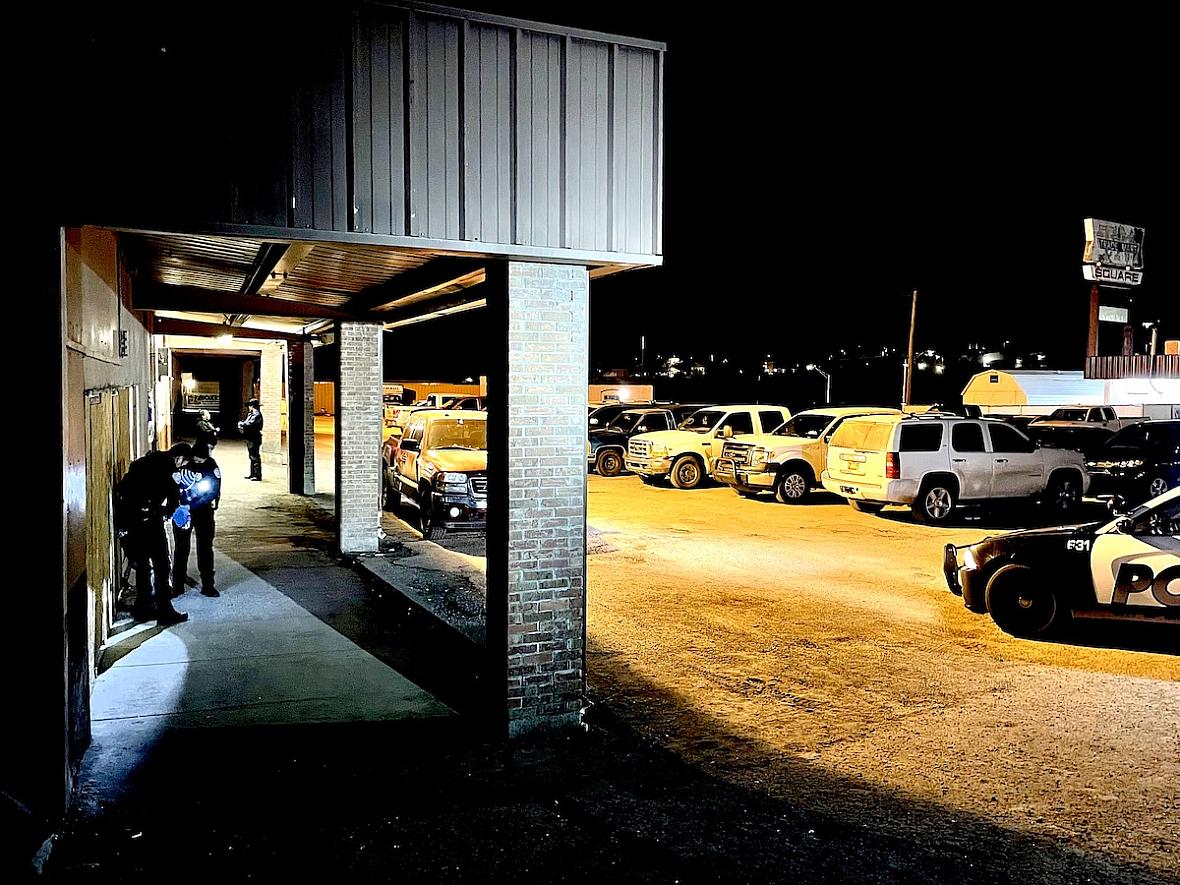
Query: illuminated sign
[1114, 276]
[1113, 245]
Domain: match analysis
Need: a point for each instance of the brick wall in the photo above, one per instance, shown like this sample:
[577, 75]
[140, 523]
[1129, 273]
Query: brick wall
[358, 437]
[548, 339]
[270, 396]
[301, 417]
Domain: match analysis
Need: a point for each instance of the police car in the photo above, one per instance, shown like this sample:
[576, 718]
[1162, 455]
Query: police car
[1030, 581]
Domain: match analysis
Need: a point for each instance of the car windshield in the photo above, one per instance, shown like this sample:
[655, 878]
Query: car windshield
[809, 426]
[702, 421]
[1068, 415]
[626, 421]
[1155, 437]
[457, 433]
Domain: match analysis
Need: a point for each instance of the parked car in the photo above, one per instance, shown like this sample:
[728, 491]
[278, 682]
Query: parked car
[934, 464]
[606, 450]
[1139, 462]
[1029, 581]
[440, 466]
[602, 415]
[1081, 438]
[686, 455]
[1084, 416]
[789, 460]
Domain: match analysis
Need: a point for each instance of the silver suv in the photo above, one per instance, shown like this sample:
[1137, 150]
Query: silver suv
[932, 463]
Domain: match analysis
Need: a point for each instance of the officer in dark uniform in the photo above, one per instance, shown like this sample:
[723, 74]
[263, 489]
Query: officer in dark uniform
[251, 428]
[144, 498]
[200, 491]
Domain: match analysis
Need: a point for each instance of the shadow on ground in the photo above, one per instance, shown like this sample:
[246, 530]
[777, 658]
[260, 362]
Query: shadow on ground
[433, 800]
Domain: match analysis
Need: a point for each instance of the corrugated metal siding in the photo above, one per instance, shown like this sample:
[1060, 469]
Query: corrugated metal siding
[478, 131]
[634, 161]
[434, 127]
[539, 112]
[588, 154]
[319, 141]
[378, 123]
[487, 134]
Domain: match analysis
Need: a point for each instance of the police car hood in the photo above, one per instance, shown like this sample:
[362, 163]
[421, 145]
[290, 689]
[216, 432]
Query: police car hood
[1035, 535]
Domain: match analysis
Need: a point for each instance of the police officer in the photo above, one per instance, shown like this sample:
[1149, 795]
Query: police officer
[146, 496]
[200, 491]
[251, 428]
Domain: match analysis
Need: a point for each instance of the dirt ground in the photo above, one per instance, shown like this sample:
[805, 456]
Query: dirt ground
[813, 652]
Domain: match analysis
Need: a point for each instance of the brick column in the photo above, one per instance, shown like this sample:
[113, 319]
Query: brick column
[301, 417]
[537, 461]
[271, 396]
[358, 436]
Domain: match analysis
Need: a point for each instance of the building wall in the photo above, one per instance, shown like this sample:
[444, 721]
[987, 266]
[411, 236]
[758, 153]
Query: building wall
[411, 122]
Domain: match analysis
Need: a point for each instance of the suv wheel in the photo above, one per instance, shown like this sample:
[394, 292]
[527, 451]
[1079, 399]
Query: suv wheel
[431, 530]
[687, 472]
[792, 486]
[1064, 494]
[1156, 487]
[1019, 603]
[935, 503]
[609, 463]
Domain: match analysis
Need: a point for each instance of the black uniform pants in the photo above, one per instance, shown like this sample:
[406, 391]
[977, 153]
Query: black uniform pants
[254, 450]
[150, 549]
[204, 526]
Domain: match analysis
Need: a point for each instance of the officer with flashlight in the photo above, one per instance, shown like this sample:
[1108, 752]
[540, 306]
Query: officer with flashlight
[199, 486]
[145, 497]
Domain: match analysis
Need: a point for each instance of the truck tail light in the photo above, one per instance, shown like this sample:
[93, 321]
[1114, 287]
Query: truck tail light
[893, 465]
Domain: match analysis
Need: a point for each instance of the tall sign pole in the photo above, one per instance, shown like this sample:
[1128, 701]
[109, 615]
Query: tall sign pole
[1092, 341]
[909, 360]
[1112, 259]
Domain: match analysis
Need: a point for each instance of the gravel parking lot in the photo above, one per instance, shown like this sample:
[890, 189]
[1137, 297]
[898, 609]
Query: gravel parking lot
[814, 652]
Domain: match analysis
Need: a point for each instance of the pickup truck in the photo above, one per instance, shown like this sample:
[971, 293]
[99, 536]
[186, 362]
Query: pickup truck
[440, 465]
[686, 455]
[788, 461]
[1084, 416]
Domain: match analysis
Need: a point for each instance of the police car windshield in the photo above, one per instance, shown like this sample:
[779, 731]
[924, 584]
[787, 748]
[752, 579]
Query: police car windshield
[457, 433]
[810, 426]
[702, 421]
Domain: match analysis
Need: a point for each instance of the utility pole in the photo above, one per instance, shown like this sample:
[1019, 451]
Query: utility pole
[909, 362]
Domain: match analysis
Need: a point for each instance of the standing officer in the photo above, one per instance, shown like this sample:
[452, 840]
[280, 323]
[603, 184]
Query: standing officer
[206, 431]
[144, 498]
[200, 491]
[251, 429]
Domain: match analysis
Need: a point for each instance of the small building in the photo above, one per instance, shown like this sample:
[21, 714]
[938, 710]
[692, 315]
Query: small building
[1038, 392]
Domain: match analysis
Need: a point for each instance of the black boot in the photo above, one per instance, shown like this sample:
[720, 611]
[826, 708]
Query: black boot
[169, 616]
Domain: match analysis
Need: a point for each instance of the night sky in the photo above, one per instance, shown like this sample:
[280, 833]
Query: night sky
[819, 166]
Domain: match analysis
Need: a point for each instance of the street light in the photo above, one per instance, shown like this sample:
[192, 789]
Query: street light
[812, 367]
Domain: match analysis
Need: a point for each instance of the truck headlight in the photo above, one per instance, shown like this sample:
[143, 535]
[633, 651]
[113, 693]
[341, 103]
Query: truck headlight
[1133, 462]
[450, 479]
[758, 455]
[969, 561]
[659, 451]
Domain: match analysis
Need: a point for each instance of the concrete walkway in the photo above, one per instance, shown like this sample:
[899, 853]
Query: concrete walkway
[252, 657]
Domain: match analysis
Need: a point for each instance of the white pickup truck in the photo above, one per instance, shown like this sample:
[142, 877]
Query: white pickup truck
[686, 455]
[1084, 416]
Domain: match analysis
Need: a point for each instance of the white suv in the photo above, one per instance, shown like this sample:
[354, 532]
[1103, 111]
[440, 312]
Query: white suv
[932, 463]
[686, 455]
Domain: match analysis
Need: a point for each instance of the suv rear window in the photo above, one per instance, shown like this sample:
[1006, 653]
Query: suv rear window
[871, 436]
[921, 437]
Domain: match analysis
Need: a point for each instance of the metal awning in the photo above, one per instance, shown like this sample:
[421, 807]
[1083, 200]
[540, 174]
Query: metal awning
[297, 287]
